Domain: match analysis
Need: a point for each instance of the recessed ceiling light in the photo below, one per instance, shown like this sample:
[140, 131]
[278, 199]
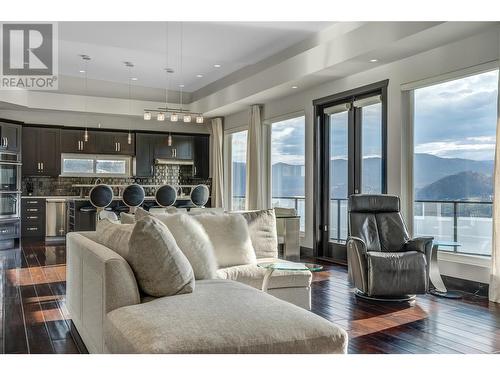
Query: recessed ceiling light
[134, 78]
[82, 71]
[295, 87]
[199, 75]
[217, 65]
[373, 60]
[181, 85]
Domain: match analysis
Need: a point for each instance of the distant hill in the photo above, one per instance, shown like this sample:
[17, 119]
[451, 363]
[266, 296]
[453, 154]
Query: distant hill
[463, 185]
[435, 177]
[430, 168]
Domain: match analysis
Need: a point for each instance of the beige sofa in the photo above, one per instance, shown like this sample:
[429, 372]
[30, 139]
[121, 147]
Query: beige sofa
[220, 316]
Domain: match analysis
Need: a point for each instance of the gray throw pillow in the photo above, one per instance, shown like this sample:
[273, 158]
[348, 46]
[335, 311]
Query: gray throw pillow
[114, 236]
[160, 267]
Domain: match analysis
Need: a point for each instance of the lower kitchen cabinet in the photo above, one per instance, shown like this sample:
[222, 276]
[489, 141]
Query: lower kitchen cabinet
[32, 217]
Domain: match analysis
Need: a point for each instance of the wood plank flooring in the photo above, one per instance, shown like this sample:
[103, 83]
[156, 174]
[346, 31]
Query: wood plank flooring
[34, 318]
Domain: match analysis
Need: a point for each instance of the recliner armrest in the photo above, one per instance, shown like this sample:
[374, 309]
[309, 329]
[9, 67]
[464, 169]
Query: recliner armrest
[421, 244]
[357, 262]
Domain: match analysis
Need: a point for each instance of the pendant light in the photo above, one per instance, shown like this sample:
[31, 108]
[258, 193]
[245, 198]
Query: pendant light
[129, 65]
[199, 119]
[147, 116]
[86, 59]
[186, 117]
[169, 140]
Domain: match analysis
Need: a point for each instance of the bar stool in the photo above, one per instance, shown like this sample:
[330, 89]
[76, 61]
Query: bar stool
[101, 196]
[166, 195]
[199, 195]
[133, 196]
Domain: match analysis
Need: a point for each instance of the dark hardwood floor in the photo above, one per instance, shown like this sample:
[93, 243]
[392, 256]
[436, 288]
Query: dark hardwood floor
[35, 319]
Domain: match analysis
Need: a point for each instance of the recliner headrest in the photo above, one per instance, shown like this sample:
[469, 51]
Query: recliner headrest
[374, 203]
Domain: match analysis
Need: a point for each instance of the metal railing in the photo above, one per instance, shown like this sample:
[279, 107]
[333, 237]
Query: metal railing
[468, 223]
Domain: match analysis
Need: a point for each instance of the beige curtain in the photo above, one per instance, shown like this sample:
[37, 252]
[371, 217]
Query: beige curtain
[254, 183]
[217, 158]
[494, 292]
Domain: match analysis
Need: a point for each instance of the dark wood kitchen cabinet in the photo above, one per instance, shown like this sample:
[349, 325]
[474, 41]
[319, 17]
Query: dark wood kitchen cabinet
[73, 141]
[32, 217]
[182, 146]
[201, 156]
[10, 137]
[144, 154]
[114, 143]
[41, 151]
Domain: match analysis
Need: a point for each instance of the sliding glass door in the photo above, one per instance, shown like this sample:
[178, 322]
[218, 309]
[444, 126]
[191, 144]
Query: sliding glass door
[350, 159]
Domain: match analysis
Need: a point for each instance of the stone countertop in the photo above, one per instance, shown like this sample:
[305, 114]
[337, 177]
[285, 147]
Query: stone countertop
[49, 196]
[117, 198]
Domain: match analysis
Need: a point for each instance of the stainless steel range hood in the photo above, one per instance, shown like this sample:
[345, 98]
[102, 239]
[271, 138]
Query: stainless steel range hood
[173, 162]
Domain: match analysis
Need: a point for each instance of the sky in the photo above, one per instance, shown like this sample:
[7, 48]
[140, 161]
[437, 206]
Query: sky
[452, 119]
[457, 119]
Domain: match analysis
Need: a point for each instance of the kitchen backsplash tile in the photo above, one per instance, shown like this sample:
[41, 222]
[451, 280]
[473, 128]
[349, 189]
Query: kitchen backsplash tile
[163, 174]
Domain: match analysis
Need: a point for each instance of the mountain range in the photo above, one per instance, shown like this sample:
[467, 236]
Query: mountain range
[435, 178]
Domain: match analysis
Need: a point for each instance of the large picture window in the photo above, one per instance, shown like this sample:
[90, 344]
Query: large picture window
[454, 149]
[238, 169]
[288, 165]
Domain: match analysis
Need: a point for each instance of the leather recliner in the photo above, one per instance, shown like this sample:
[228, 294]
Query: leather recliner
[384, 262]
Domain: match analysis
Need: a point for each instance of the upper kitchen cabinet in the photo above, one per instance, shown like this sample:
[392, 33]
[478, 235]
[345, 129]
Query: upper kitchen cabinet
[10, 137]
[201, 156]
[114, 143]
[145, 154]
[73, 141]
[161, 148]
[182, 147]
[41, 151]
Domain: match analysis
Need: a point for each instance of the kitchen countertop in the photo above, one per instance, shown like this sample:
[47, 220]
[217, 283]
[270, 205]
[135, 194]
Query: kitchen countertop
[49, 196]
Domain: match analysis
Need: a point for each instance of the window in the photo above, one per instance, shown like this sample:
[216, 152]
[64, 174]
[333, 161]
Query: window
[238, 169]
[454, 148]
[287, 165]
[77, 165]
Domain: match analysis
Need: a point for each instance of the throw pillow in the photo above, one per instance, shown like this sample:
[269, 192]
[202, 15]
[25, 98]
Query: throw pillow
[230, 238]
[160, 267]
[126, 218]
[114, 236]
[262, 229]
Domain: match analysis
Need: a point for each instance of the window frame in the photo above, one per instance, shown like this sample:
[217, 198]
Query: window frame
[408, 95]
[267, 170]
[94, 158]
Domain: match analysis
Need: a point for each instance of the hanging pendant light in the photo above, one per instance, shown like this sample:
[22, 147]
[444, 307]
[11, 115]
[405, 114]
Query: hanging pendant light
[86, 59]
[147, 116]
[169, 140]
[130, 65]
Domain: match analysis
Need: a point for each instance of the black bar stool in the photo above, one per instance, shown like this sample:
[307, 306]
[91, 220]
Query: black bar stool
[101, 196]
[199, 195]
[133, 196]
[166, 195]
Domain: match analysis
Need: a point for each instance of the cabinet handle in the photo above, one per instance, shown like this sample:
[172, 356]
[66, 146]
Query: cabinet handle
[32, 209]
[119, 147]
[6, 142]
[32, 217]
[42, 165]
[32, 202]
[194, 169]
[32, 228]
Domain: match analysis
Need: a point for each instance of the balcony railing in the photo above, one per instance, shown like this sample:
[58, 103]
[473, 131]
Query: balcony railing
[468, 223]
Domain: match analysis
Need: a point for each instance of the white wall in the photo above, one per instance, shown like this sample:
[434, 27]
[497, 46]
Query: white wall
[472, 51]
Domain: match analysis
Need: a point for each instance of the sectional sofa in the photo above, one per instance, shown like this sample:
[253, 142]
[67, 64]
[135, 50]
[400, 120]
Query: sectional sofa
[226, 314]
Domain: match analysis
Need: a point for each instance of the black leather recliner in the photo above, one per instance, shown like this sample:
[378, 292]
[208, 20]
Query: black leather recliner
[384, 263]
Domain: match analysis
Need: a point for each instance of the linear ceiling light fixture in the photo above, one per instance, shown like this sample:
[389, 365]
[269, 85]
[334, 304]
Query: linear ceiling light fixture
[174, 114]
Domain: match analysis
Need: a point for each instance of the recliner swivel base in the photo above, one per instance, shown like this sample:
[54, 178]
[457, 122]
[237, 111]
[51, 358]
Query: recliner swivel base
[403, 298]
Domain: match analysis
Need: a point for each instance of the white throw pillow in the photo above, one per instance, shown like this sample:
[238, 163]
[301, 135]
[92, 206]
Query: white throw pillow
[194, 242]
[230, 239]
[262, 228]
[115, 236]
[126, 218]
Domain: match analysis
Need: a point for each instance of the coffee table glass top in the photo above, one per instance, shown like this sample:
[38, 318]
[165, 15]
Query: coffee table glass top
[291, 266]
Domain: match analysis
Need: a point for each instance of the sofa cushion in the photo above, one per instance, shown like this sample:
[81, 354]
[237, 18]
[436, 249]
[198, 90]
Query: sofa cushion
[262, 229]
[114, 236]
[230, 238]
[253, 275]
[220, 316]
[159, 265]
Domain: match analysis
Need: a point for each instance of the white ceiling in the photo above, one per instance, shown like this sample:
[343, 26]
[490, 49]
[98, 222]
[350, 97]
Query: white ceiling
[234, 45]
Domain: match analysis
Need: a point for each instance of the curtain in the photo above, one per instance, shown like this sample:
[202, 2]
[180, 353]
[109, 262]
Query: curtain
[494, 292]
[217, 170]
[254, 183]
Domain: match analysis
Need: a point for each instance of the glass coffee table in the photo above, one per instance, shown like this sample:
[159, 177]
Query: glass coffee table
[286, 266]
